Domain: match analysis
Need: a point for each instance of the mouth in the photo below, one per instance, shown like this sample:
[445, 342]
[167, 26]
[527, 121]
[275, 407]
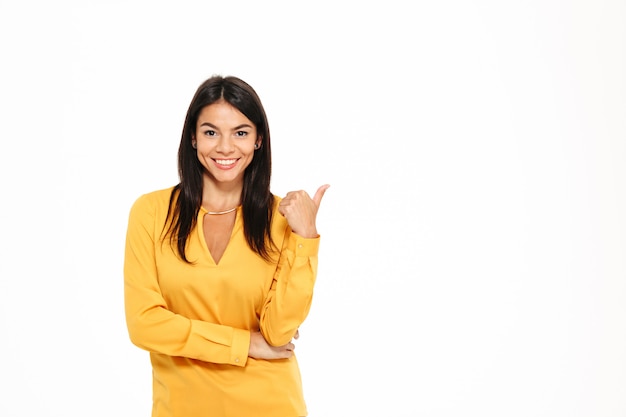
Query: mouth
[225, 162]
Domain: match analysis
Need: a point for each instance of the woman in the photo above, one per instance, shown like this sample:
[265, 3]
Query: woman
[218, 271]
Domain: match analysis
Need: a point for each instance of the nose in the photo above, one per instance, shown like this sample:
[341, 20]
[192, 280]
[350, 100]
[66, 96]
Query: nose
[225, 145]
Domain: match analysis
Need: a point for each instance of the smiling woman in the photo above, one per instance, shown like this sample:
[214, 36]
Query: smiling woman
[226, 141]
[219, 272]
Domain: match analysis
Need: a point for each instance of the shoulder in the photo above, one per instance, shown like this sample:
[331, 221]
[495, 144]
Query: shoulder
[163, 193]
[153, 201]
[277, 200]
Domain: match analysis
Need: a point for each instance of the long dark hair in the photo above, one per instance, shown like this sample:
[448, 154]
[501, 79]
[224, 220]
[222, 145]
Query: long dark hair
[256, 200]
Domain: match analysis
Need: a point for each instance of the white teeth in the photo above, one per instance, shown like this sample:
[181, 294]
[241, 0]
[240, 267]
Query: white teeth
[225, 161]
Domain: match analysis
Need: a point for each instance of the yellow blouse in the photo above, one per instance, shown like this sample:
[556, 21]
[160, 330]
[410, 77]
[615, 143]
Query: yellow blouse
[195, 320]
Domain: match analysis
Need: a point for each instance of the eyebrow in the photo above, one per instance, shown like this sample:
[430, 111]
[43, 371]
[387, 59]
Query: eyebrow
[241, 126]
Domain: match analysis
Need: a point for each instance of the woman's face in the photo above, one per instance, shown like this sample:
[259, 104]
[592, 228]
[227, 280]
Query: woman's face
[224, 140]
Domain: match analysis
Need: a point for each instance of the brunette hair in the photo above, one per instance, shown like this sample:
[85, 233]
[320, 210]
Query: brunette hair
[256, 200]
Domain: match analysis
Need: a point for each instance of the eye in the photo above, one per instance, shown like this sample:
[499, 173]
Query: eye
[241, 133]
[210, 133]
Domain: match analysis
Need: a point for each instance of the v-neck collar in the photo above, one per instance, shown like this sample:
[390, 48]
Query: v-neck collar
[200, 231]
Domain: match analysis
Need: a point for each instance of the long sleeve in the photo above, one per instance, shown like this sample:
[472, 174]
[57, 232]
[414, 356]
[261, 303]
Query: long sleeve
[151, 324]
[291, 293]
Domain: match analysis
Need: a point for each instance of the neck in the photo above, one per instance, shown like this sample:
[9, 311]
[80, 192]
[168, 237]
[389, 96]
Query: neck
[221, 198]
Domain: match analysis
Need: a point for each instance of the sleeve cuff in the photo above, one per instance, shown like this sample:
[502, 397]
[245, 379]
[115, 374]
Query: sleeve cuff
[240, 347]
[304, 246]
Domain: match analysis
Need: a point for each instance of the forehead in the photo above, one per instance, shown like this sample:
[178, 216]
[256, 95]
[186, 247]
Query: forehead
[222, 113]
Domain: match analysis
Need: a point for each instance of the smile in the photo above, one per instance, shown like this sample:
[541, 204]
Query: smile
[225, 162]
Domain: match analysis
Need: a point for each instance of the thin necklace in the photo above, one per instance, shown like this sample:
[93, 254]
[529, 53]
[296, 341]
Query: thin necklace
[223, 212]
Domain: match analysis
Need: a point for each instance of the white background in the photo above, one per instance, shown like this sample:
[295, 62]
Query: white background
[473, 238]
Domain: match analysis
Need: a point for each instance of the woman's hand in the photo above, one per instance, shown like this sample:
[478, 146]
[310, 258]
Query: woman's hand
[260, 349]
[300, 210]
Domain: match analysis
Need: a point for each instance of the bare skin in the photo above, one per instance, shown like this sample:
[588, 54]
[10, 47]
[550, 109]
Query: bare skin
[300, 210]
[260, 349]
[217, 232]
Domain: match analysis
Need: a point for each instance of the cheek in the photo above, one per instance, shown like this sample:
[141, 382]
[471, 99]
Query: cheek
[247, 148]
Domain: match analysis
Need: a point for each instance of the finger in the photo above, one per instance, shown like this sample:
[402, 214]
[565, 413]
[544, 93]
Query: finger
[317, 198]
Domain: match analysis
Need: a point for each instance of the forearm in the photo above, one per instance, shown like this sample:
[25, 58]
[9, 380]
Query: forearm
[290, 297]
[154, 328]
